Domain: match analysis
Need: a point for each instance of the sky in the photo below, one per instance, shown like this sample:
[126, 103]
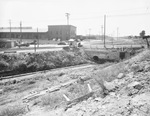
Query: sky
[129, 17]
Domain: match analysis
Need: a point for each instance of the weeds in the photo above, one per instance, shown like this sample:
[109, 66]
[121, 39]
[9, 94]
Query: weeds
[52, 100]
[110, 72]
[3, 65]
[23, 62]
[13, 110]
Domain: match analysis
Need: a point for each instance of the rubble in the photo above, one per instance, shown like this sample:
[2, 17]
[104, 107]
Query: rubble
[129, 95]
[120, 76]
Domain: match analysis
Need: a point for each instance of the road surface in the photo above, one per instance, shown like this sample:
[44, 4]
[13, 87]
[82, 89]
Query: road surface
[32, 48]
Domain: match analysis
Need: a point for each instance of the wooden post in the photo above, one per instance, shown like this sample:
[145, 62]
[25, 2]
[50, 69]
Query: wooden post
[89, 87]
[66, 97]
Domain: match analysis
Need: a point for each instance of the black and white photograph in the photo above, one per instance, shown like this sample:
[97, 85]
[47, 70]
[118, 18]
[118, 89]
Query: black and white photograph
[74, 57]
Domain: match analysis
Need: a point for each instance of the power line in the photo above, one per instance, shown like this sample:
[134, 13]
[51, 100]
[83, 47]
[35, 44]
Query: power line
[126, 15]
[93, 17]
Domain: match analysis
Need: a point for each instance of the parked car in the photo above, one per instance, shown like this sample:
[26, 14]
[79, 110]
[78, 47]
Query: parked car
[33, 42]
[62, 43]
[23, 45]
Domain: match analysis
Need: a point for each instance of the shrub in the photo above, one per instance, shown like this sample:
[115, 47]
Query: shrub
[12, 110]
[47, 66]
[31, 82]
[33, 67]
[77, 90]
[66, 62]
[52, 100]
[23, 62]
[3, 65]
[51, 65]
[20, 66]
[14, 81]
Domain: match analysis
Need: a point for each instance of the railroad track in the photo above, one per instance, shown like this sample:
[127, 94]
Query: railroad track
[44, 71]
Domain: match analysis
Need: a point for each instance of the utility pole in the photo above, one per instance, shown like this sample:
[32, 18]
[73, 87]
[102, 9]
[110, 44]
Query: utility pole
[38, 36]
[20, 31]
[89, 37]
[117, 32]
[67, 15]
[34, 45]
[89, 33]
[112, 40]
[104, 30]
[10, 28]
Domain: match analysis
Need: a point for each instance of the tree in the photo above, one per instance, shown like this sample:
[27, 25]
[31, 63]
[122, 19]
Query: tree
[142, 35]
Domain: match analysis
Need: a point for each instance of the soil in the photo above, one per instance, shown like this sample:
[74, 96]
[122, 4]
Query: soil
[121, 89]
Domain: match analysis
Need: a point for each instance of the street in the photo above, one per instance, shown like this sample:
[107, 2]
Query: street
[32, 48]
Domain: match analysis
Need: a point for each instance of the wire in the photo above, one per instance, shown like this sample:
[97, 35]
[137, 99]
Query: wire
[125, 15]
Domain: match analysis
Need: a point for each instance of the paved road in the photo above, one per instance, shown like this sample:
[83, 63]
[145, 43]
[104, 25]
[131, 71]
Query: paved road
[96, 44]
[31, 48]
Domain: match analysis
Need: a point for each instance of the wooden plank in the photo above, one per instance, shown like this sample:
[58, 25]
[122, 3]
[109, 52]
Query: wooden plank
[77, 100]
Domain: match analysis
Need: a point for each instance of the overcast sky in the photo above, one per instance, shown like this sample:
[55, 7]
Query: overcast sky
[129, 16]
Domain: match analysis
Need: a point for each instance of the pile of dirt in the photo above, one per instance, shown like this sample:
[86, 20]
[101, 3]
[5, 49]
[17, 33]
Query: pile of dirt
[128, 93]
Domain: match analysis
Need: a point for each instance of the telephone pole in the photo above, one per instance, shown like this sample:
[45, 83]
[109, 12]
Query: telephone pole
[20, 31]
[89, 33]
[38, 37]
[67, 15]
[10, 27]
[117, 32]
[104, 30]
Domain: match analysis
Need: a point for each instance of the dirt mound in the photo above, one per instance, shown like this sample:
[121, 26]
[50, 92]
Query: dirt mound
[126, 86]
[128, 91]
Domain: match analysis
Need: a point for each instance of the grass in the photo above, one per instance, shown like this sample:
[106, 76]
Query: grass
[110, 73]
[30, 62]
[52, 100]
[73, 91]
[56, 99]
[77, 90]
[13, 110]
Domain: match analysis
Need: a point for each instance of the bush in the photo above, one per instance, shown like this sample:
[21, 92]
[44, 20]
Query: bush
[3, 65]
[33, 67]
[66, 62]
[52, 100]
[31, 82]
[20, 66]
[23, 62]
[12, 110]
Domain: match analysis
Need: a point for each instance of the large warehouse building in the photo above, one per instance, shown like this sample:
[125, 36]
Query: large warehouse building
[61, 32]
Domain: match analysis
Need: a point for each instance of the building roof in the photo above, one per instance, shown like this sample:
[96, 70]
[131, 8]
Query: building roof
[60, 26]
[5, 40]
[25, 30]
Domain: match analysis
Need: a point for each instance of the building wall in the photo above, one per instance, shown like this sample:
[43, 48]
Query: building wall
[62, 32]
[24, 35]
[7, 44]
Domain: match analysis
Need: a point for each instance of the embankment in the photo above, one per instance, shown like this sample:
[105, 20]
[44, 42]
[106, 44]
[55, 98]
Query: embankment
[11, 64]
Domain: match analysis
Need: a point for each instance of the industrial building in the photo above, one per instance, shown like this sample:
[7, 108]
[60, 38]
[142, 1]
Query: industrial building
[61, 32]
[7, 43]
[23, 35]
